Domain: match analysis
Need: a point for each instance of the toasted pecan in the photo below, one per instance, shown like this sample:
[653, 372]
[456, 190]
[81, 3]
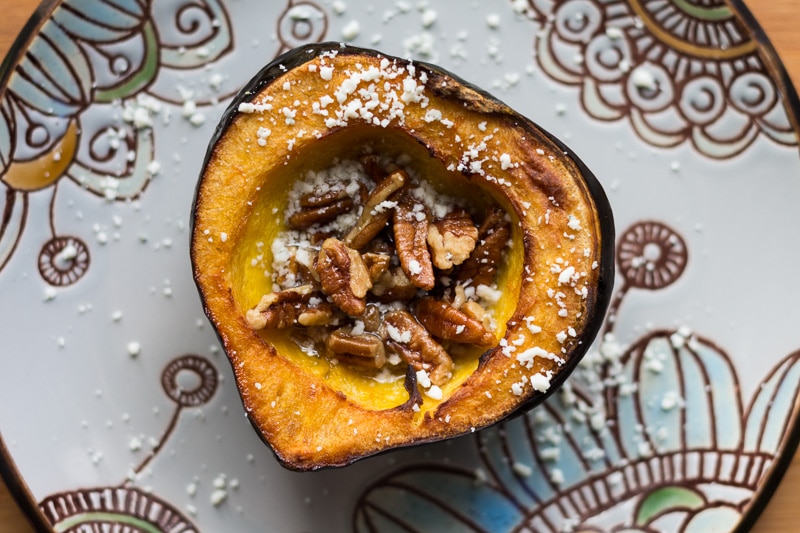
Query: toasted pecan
[365, 346]
[411, 224]
[278, 310]
[450, 323]
[452, 239]
[343, 275]
[416, 345]
[307, 217]
[372, 165]
[377, 264]
[483, 262]
[377, 210]
[393, 286]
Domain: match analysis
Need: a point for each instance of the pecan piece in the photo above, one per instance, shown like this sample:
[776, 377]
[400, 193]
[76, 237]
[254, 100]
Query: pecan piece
[373, 167]
[475, 311]
[313, 199]
[366, 349]
[410, 237]
[372, 318]
[394, 285]
[296, 272]
[482, 264]
[413, 343]
[452, 239]
[343, 275]
[377, 210]
[278, 310]
[320, 315]
[448, 322]
[319, 214]
[377, 264]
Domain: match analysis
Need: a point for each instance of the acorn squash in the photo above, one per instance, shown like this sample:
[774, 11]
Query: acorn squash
[390, 256]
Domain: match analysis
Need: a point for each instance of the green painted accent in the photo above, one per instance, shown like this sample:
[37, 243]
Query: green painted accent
[113, 518]
[667, 498]
[145, 74]
[712, 14]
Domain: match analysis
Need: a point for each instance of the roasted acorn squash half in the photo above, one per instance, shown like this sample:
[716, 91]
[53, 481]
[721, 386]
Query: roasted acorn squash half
[391, 256]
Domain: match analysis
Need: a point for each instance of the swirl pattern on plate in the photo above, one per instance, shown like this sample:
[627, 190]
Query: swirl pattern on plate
[678, 71]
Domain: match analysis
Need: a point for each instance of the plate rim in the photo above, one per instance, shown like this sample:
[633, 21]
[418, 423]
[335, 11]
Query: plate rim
[24, 498]
[791, 440]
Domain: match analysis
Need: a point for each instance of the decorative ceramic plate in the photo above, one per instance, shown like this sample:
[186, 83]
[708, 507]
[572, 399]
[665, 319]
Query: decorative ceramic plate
[119, 410]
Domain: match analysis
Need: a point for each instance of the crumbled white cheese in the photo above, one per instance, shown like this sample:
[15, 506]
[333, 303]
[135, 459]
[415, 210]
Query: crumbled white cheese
[134, 348]
[434, 392]
[218, 496]
[522, 469]
[428, 18]
[423, 379]
[540, 382]
[643, 79]
[326, 73]
[351, 30]
[397, 335]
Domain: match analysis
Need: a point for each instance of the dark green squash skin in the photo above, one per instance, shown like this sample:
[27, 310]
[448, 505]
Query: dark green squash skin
[597, 300]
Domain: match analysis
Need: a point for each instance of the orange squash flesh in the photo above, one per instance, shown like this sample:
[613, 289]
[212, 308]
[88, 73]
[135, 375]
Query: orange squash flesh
[555, 279]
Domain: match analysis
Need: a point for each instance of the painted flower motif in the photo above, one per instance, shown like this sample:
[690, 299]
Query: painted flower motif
[113, 509]
[677, 71]
[126, 507]
[80, 105]
[300, 23]
[651, 255]
[650, 437]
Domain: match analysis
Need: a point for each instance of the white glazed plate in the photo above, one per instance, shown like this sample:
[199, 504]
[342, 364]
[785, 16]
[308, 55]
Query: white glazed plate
[119, 408]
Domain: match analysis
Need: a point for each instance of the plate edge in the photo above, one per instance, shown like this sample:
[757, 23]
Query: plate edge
[786, 451]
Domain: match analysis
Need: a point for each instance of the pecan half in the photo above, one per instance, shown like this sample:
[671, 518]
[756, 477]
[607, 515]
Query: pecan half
[410, 237]
[343, 275]
[450, 323]
[320, 315]
[452, 239]
[413, 343]
[482, 264]
[318, 212]
[366, 349]
[313, 199]
[278, 310]
[377, 210]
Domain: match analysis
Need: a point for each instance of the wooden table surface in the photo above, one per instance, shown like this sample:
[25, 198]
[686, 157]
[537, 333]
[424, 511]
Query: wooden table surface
[781, 21]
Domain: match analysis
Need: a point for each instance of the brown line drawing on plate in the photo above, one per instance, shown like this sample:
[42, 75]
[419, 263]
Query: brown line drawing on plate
[678, 71]
[300, 23]
[651, 256]
[208, 381]
[112, 509]
[63, 260]
[125, 507]
[642, 438]
[79, 103]
[88, 117]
